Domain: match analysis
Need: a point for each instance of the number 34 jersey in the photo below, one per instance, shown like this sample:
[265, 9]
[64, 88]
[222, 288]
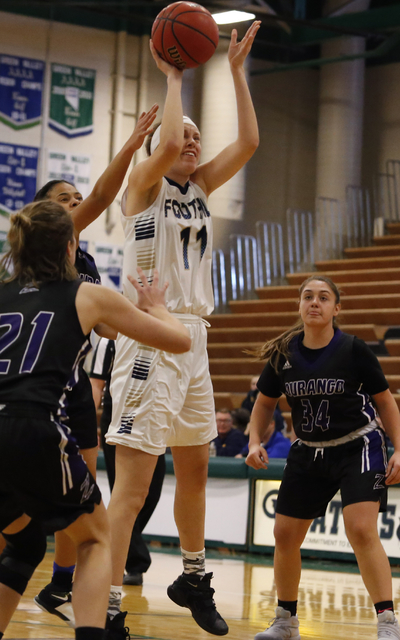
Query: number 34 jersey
[329, 390]
[41, 341]
[173, 235]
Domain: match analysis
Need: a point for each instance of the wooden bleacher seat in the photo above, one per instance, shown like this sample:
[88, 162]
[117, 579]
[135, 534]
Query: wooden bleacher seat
[385, 240]
[351, 275]
[346, 288]
[393, 347]
[369, 280]
[367, 332]
[370, 301]
[359, 263]
[372, 252]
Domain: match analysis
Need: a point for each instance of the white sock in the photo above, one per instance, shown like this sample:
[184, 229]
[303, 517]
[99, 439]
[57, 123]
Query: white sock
[114, 601]
[194, 562]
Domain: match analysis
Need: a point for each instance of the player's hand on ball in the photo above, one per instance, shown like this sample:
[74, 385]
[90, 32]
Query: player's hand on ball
[165, 67]
[149, 295]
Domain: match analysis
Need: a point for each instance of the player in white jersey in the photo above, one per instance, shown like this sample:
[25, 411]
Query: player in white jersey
[160, 400]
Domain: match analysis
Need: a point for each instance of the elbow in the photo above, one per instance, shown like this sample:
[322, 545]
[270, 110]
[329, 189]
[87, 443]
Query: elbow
[182, 345]
[186, 344]
[253, 144]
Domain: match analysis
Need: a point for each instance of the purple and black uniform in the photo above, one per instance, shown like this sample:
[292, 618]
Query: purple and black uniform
[41, 343]
[340, 445]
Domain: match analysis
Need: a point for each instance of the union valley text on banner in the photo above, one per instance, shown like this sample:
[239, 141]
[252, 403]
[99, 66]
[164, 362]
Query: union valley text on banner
[18, 171]
[71, 167]
[71, 100]
[21, 87]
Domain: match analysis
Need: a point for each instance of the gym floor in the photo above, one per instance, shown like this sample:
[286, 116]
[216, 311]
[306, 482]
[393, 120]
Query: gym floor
[333, 602]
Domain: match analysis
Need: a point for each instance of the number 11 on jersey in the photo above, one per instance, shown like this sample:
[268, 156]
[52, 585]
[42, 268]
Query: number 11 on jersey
[201, 236]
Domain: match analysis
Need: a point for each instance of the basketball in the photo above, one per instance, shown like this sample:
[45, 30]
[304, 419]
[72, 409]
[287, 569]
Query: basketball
[185, 34]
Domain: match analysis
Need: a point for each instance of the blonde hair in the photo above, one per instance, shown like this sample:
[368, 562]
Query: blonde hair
[279, 346]
[38, 238]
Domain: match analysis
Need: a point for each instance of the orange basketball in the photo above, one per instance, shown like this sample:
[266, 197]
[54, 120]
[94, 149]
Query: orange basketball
[185, 34]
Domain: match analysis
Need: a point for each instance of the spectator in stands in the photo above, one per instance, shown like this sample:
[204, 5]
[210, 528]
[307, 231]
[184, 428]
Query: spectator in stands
[273, 441]
[229, 441]
[241, 418]
[248, 402]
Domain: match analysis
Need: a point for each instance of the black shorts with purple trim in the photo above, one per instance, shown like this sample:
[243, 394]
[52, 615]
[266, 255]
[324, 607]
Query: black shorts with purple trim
[313, 476]
[42, 472]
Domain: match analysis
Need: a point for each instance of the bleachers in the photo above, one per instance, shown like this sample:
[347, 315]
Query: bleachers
[369, 280]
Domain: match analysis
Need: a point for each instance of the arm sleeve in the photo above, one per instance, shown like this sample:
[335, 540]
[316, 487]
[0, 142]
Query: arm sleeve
[368, 368]
[103, 358]
[269, 383]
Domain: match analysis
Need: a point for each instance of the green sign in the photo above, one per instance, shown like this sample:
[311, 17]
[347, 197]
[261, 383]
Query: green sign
[71, 100]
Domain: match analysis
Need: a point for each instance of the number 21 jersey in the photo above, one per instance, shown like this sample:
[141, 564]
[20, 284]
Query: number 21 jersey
[173, 235]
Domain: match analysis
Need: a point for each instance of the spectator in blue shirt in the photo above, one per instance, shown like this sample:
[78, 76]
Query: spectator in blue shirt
[230, 441]
[274, 442]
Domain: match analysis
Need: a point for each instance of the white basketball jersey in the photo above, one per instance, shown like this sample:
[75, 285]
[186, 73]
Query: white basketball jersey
[173, 235]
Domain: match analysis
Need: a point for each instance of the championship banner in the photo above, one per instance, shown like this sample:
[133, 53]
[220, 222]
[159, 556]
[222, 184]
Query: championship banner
[326, 534]
[108, 258]
[21, 87]
[18, 172]
[71, 100]
[71, 167]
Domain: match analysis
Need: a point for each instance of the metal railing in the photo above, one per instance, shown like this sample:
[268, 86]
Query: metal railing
[360, 221]
[385, 197]
[270, 253]
[393, 169]
[263, 260]
[329, 238]
[244, 269]
[219, 280]
[300, 237]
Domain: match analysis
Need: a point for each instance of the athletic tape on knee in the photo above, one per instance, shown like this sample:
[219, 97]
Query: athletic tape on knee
[22, 554]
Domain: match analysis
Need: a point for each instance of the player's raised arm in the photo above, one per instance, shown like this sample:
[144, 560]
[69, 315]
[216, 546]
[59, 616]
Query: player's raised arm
[226, 164]
[107, 186]
[145, 178]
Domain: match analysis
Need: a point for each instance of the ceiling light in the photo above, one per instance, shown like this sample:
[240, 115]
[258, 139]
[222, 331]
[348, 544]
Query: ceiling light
[228, 17]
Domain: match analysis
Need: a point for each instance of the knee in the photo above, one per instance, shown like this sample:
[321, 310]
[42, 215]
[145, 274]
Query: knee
[23, 553]
[286, 539]
[128, 504]
[193, 483]
[360, 535]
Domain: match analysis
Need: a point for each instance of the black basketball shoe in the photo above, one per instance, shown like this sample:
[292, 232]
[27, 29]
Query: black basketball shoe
[195, 593]
[56, 602]
[116, 629]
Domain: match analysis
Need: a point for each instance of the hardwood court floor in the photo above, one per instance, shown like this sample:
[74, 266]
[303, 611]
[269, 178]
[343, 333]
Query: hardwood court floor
[333, 602]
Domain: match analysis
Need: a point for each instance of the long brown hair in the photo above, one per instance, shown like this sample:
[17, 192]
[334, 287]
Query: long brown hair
[273, 349]
[38, 238]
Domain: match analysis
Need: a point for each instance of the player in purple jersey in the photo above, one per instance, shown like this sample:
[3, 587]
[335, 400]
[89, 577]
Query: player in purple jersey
[333, 382]
[55, 597]
[44, 483]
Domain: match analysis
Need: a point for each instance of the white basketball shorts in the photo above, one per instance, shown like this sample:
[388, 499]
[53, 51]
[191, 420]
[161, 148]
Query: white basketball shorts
[161, 399]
